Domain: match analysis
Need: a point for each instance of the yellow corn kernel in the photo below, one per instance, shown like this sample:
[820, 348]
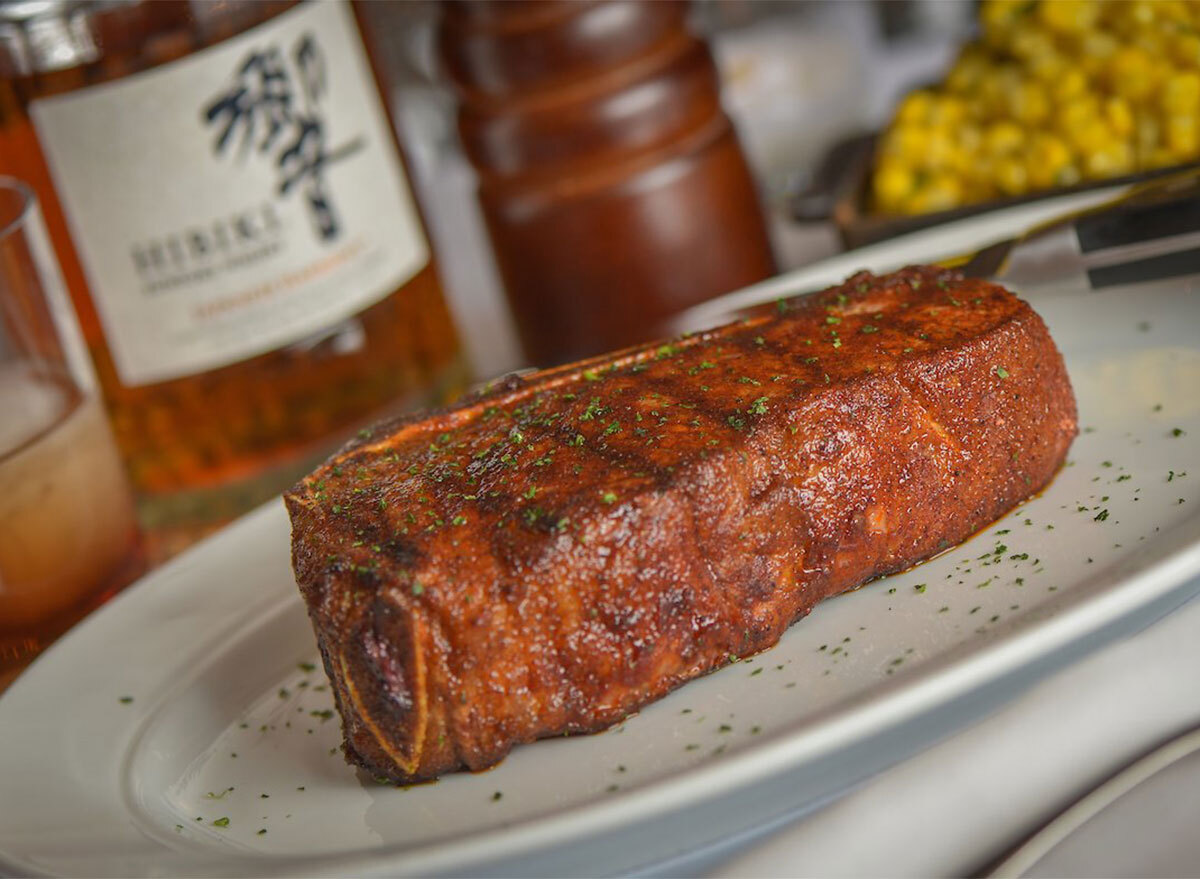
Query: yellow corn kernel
[1185, 48]
[1068, 175]
[939, 193]
[1119, 117]
[1069, 16]
[1132, 73]
[1153, 42]
[1050, 67]
[1028, 43]
[892, 184]
[1072, 84]
[905, 142]
[1010, 176]
[1180, 94]
[1174, 12]
[1140, 12]
[970, 140]
[1110, 160]
[1029, 104]
[981, 173]
[1089, 137]
[948, 111]
[1183, 138]
[940, 149]
[915, 109]
[1003, 137]
[1147, 135]
[1082, 111]
[998, 18]
[1096, 50]
[1047, 158]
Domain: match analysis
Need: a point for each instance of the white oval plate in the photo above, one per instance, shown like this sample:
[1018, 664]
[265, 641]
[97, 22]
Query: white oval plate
[1154, 801]
[181, 730]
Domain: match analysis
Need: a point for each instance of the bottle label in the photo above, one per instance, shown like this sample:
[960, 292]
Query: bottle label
[237, 200]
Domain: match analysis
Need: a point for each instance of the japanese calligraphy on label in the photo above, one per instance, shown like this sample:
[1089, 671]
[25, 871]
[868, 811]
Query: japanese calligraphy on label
[237, 200]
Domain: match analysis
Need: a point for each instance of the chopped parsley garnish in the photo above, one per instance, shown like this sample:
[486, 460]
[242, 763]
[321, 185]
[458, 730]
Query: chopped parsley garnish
[1001, 372]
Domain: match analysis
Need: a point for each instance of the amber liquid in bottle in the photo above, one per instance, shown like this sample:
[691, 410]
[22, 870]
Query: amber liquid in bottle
[201, 448]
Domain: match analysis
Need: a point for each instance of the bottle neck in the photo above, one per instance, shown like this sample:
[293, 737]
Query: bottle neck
[48, 36]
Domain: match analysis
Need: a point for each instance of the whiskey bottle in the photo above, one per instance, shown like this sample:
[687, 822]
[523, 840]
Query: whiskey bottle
[225, 194]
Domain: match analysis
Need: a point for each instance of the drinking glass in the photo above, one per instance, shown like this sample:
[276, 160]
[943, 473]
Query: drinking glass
[68, 535]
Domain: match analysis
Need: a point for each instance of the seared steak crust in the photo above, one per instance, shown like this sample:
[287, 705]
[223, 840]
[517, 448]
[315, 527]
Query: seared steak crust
[555, 552]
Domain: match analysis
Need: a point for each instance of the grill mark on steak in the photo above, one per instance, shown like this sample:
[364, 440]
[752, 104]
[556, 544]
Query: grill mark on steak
[505, 582]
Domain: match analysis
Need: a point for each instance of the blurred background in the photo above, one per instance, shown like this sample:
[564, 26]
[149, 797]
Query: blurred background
[799, 79]
[859, 120]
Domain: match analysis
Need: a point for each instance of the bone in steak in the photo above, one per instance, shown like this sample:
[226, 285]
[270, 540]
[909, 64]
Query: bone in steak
[552, 554]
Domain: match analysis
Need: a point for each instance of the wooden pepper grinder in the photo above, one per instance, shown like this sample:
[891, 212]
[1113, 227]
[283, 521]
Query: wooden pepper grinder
[611, 181]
